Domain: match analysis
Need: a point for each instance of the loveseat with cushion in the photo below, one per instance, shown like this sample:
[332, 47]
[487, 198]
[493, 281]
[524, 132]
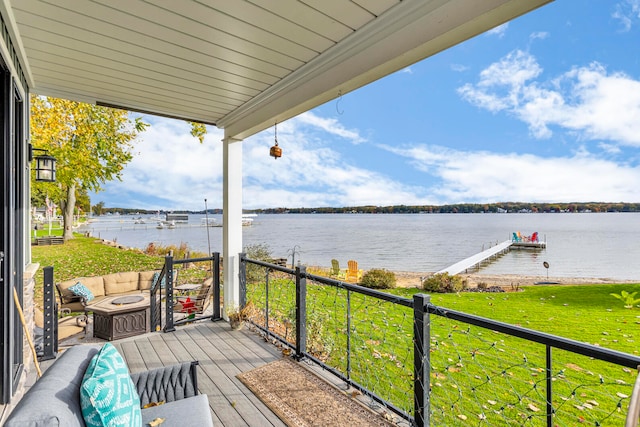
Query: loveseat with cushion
[126, 283]
[67, 395]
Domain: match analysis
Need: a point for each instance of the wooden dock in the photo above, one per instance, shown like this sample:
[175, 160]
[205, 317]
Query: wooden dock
[477, 259]
[489, 254]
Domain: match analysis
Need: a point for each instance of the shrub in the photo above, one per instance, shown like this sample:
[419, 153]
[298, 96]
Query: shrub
[257, 252]
[444, 283]
[378, 279]
[629, 299]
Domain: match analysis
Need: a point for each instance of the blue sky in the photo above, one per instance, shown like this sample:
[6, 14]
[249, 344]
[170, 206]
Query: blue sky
[545, 108]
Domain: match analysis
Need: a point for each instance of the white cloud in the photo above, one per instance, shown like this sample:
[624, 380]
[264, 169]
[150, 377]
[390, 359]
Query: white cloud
[539, 35]
[587, 100]
[499, 31]
[628, 12]
[484, 177]
[459, 67]
[501, 84]
[172, 168]
[174, 171]
[310, 174]
[331, 126]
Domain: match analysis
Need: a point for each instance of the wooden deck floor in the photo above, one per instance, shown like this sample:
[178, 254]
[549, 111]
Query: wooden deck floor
[222, 354]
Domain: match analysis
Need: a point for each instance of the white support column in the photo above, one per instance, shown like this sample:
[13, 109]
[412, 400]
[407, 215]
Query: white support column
[231, 220]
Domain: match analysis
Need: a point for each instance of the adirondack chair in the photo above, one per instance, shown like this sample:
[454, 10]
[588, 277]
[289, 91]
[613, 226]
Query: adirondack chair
[353, 274]
[335, 270]
[192, 305]
[534, 237]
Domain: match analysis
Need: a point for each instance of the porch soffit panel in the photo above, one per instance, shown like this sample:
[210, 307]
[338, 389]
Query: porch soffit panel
[397, 39]
[239, 64]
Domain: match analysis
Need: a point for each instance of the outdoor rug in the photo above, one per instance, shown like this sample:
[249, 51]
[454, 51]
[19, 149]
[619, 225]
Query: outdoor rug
[301, 398]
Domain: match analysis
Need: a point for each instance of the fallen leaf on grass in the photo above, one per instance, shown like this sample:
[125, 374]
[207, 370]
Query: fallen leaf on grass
[533, 407]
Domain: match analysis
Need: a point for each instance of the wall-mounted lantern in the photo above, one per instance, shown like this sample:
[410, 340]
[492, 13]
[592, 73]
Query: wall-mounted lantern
[45, 165]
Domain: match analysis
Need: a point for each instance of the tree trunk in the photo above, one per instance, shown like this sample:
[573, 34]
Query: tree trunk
[67, 212]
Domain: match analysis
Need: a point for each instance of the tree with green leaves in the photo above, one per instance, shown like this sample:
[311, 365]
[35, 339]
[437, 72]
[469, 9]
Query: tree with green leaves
[92, 144]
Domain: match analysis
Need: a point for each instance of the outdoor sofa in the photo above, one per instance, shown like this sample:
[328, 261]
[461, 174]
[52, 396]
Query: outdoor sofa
[55, 399]
[101, 287]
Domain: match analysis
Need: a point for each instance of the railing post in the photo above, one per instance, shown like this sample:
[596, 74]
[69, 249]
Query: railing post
[168, 267]
[50, 312]
[242, 276]
[155, 320]
[301, 312]
[421, 362]
[348, 334]
[549, 373]
[266, 302]
[216, 286]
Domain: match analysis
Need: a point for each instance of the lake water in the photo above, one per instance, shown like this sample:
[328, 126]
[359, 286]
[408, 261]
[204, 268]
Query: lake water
[596, 245]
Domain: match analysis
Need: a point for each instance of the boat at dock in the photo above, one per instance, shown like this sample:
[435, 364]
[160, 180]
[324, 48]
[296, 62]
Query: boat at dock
[165, 224]
[247, 219]
[177, 217]
[210, 222]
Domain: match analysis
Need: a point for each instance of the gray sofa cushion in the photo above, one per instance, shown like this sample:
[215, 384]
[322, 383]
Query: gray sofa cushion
[187, 412]
[164, 384]
[54, 400]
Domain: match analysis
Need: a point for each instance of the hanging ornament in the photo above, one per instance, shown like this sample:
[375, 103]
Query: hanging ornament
[275, 151]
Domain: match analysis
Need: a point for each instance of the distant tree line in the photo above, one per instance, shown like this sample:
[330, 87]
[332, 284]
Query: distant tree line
[506, 207]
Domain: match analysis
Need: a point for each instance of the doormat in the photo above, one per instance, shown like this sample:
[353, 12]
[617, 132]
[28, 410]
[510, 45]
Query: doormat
[300, 398]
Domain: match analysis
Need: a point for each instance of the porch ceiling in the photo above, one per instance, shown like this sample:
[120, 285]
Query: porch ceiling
[241, 64]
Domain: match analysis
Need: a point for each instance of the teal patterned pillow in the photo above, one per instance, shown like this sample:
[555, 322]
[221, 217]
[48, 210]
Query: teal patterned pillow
[108, 396]
[154, 280]
[82, 291]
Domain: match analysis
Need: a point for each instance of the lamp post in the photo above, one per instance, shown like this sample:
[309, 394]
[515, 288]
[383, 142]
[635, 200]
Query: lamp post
[293, 255]
[45, 165]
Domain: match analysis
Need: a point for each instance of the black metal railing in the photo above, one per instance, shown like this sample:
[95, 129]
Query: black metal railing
[167, 293]
[448, 361]
[50, 315]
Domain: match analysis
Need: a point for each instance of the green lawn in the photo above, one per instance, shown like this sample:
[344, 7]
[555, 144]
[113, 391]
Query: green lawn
[477, 375]
[87, 256]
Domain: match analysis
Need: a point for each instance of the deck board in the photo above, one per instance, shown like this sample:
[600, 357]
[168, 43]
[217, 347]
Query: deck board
[222, 354]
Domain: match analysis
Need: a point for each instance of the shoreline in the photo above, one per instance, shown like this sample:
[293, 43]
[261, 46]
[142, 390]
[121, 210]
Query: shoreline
[412, 279]
[408, 279]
